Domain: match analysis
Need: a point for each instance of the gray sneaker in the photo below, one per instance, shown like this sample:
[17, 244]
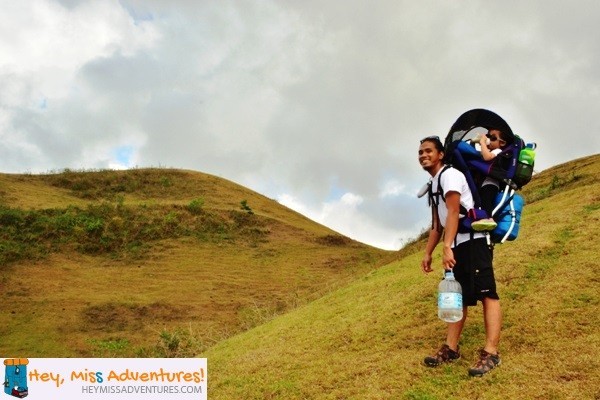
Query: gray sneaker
[445, 354]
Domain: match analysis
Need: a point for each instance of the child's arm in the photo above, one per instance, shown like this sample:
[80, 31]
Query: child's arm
[485, 151]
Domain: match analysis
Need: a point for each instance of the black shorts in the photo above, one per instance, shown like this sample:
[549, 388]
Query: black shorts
[474, 271]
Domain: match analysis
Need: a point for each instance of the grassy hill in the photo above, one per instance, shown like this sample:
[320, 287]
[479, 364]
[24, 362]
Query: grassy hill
[154, 262]
[367, 339]
[284, 308]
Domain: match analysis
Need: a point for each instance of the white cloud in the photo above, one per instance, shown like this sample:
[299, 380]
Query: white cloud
[312, 99]
[45, 44]
[392, 188]
[345, 215]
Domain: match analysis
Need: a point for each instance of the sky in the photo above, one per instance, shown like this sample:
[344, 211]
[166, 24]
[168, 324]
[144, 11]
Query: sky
[319, 105]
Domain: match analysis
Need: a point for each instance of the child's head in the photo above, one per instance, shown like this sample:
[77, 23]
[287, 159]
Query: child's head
[499, 139]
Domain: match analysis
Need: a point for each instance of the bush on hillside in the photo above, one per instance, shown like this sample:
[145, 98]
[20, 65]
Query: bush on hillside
[122, 231]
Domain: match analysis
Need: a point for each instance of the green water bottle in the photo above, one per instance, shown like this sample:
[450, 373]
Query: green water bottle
[527, 154]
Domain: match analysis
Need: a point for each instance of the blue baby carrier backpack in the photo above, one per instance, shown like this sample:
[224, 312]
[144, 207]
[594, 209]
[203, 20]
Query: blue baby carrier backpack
[509, 168]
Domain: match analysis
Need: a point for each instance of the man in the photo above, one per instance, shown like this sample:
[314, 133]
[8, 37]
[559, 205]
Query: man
[467, 254]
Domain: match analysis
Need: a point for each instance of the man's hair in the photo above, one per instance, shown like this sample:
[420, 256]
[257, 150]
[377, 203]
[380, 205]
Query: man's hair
[436, 142]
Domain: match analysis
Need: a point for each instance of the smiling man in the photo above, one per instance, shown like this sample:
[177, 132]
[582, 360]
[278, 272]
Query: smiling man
[466, 253]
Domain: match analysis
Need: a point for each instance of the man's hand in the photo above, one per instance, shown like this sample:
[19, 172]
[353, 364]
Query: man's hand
[448, 260]
[426, 264]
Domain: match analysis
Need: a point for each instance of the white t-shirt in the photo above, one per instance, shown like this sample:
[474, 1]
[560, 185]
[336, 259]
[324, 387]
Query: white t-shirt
[488, 180]
[453, 180]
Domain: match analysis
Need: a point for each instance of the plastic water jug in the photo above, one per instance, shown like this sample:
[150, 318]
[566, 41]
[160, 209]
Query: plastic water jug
[450, 302]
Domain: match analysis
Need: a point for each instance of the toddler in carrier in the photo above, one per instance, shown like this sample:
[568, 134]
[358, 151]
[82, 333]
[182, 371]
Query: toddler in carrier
[491, 144]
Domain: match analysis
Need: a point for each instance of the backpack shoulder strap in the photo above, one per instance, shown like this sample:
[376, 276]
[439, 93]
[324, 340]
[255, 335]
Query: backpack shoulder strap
[434, 196]
[434, 200]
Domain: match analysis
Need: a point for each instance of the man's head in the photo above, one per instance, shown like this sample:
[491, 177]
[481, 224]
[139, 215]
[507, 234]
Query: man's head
[431, 154]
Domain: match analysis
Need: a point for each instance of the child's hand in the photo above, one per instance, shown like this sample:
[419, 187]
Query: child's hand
[484, 142]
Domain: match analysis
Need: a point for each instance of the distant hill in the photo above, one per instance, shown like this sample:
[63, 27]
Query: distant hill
[155, 262]
[367, 340]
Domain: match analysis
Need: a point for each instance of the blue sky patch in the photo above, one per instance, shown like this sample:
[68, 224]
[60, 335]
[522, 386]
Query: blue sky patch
[124, 154]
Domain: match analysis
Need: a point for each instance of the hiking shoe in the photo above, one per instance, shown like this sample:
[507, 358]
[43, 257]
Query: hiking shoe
[487, 224]
[485, 364]
[445, 354]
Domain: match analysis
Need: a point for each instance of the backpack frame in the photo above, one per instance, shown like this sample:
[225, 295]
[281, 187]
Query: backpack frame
[506, 168]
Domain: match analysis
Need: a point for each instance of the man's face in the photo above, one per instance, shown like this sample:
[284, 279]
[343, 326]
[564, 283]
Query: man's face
[429, 156]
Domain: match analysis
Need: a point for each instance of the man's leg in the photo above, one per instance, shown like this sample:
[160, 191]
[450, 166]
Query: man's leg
[454, 331]
[492, 316]
[449, 351]
[488, 356]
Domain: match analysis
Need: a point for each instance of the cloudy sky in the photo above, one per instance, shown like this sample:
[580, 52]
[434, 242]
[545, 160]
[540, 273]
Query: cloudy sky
[318, 104]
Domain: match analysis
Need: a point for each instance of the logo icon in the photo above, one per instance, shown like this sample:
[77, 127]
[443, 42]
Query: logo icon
[15, 377]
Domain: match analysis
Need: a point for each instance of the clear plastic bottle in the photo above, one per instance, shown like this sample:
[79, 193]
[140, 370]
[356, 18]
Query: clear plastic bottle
[450, 304]
[527, 154]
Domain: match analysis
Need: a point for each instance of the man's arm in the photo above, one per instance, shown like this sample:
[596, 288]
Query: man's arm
[453, 206]
[432, 241]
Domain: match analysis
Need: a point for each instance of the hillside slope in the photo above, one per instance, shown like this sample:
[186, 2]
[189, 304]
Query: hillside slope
[154, 262]
[367, 340]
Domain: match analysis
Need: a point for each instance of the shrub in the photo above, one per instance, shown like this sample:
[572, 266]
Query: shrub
[117, 229]
[195, 206]
[246, 207]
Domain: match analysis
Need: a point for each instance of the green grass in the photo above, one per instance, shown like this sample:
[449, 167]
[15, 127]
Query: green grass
[367, 340]
[117, 230]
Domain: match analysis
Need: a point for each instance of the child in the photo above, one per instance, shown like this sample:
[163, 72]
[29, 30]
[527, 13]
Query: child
[489, 188]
